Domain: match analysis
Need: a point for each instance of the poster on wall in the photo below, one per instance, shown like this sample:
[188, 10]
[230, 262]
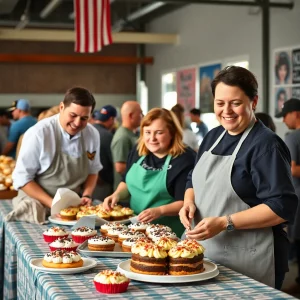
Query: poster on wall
[296, 66]
[283, 68]
[186, 88]
[206, 75]
[286, 76]
[281, 95]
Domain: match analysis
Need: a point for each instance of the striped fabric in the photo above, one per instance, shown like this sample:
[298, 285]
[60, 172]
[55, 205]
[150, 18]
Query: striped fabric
[24, 241]
[92, 25]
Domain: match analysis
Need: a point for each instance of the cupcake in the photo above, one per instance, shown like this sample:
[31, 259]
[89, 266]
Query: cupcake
[111, 282]
[139, 226]
[103, 214]
[153, 227]
[128, 243]
[68, 214]
[82, 234]
[66, 244]
[105, 227]
[117, 215]
[81, 214]
[126, 234]
[128, 212]
[53, 233]
[101, 243]
[157, 234]
[113, 233]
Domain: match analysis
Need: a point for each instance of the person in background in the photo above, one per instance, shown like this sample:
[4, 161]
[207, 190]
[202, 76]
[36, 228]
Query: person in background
[61, 151]
[125, 138]
[21, 113]
[5, 120]
[104, 120]
[241, 191]
[266, 120]
[195, 114]
[291, 117]
[189, 137]
[156, 171]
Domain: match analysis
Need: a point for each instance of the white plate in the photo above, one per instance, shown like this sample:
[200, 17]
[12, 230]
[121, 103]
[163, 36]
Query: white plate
[57, 220]
[88, 263]
[211, 271]
[118, 251]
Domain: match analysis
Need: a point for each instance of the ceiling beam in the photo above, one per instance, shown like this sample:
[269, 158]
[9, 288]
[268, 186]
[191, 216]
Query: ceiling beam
[69, 36]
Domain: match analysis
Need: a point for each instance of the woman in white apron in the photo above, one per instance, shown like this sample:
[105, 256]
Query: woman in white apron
[240, 191]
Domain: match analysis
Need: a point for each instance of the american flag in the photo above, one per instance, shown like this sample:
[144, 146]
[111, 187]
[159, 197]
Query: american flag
[92, 25]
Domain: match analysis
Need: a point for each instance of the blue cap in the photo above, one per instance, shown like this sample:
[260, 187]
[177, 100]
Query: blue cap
[105, 113]
[21, 104]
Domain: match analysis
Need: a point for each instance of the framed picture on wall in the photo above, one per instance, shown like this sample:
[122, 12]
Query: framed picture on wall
[206, 74]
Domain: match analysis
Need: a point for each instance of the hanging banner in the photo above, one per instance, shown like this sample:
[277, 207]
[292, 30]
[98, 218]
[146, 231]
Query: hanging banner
[186, 88]
[206, 75]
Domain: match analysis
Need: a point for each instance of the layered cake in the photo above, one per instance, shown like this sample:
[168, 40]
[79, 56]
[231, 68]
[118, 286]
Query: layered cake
[52, 233]
[101, 243]
[63, 244]
[82, 234]
[192, 244]
[62, 259]
[166, 243]
[184, 260]
[111, 282]
[148, 259]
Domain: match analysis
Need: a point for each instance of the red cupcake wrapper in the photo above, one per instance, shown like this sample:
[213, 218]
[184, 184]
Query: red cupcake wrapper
[61, 248]
[111, 288]
[52, 238]
[80, 239]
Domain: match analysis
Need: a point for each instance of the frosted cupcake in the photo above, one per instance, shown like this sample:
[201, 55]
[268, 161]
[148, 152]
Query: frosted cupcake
[53, 233]
[82, 234]
[157, 234]
[111, 282]
[139, 226]
[154, 227]
[63, 244]
[101, 243]
[105, 227]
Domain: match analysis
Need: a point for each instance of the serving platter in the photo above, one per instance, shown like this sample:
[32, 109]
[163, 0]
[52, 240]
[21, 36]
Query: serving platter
[211, 271]
[118, 252]
[88, 263]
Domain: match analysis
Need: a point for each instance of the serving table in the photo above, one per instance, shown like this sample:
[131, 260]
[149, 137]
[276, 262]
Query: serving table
[24, 241]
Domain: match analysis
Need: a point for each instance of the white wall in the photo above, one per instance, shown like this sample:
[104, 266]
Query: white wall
[54, 99]
[210, 33]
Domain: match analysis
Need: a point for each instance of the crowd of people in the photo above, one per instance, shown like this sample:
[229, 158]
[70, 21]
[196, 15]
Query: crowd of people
[233, 188]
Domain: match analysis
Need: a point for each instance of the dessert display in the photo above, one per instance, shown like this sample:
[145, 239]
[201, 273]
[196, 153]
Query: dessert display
[111, 282]
[184, 260]
[68, 214]
[52, 233]
[101, 243]
[148, 259]
[66, 244]
[7, 165]
[82, 234]
[62, 259]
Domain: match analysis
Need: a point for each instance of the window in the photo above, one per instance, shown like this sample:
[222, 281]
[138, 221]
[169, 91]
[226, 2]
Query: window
[169, 94]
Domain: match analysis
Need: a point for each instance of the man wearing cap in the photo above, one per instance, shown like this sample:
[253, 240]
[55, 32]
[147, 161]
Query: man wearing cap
[21, 113]
[291, 117]
[103, 121]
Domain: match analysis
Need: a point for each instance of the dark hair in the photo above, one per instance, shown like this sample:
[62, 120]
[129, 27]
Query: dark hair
[196, 111]
[237, 76]
[178, 110]
[283, 60]
[267, 120]
[280, 92]
[80, 96]
[4, 112]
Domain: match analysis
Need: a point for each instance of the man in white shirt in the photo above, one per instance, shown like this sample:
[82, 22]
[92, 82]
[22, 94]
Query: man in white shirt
[58, 152]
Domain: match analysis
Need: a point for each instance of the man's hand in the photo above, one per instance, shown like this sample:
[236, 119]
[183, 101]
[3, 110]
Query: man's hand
[86, 201]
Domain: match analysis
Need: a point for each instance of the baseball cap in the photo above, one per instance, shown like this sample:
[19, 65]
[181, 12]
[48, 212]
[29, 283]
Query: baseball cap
[290, 105]
[105, 113]
[21, 104]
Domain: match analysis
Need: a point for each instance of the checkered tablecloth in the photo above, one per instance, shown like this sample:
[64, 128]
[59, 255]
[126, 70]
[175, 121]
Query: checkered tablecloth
[24, 241]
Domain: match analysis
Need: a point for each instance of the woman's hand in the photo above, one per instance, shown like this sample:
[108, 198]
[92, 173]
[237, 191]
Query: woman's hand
[149, 214]
[86, 201]
[186, 214]
[207, 228]
[110, 201]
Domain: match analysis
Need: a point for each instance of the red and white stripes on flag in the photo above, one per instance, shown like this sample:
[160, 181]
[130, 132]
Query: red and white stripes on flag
[92, 25]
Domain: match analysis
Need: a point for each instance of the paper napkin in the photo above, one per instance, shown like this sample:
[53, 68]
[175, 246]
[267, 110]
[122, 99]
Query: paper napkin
[63, 199]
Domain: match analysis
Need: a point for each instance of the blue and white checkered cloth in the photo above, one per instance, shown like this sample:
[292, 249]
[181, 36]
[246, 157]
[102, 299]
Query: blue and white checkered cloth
[24, 241]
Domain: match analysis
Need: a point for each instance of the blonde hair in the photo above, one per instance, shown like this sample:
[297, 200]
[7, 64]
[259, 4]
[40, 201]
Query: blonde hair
[176, 146]
[48, 113]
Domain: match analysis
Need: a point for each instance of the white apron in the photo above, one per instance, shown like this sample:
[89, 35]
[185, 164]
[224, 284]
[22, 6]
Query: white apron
[250, 252]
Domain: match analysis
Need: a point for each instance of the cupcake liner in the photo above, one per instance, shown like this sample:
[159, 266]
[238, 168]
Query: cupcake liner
[52, 238]
[111, 288]
[80, 239]
[63, 248]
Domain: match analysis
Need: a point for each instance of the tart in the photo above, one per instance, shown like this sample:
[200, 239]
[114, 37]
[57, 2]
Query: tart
[62, 259]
